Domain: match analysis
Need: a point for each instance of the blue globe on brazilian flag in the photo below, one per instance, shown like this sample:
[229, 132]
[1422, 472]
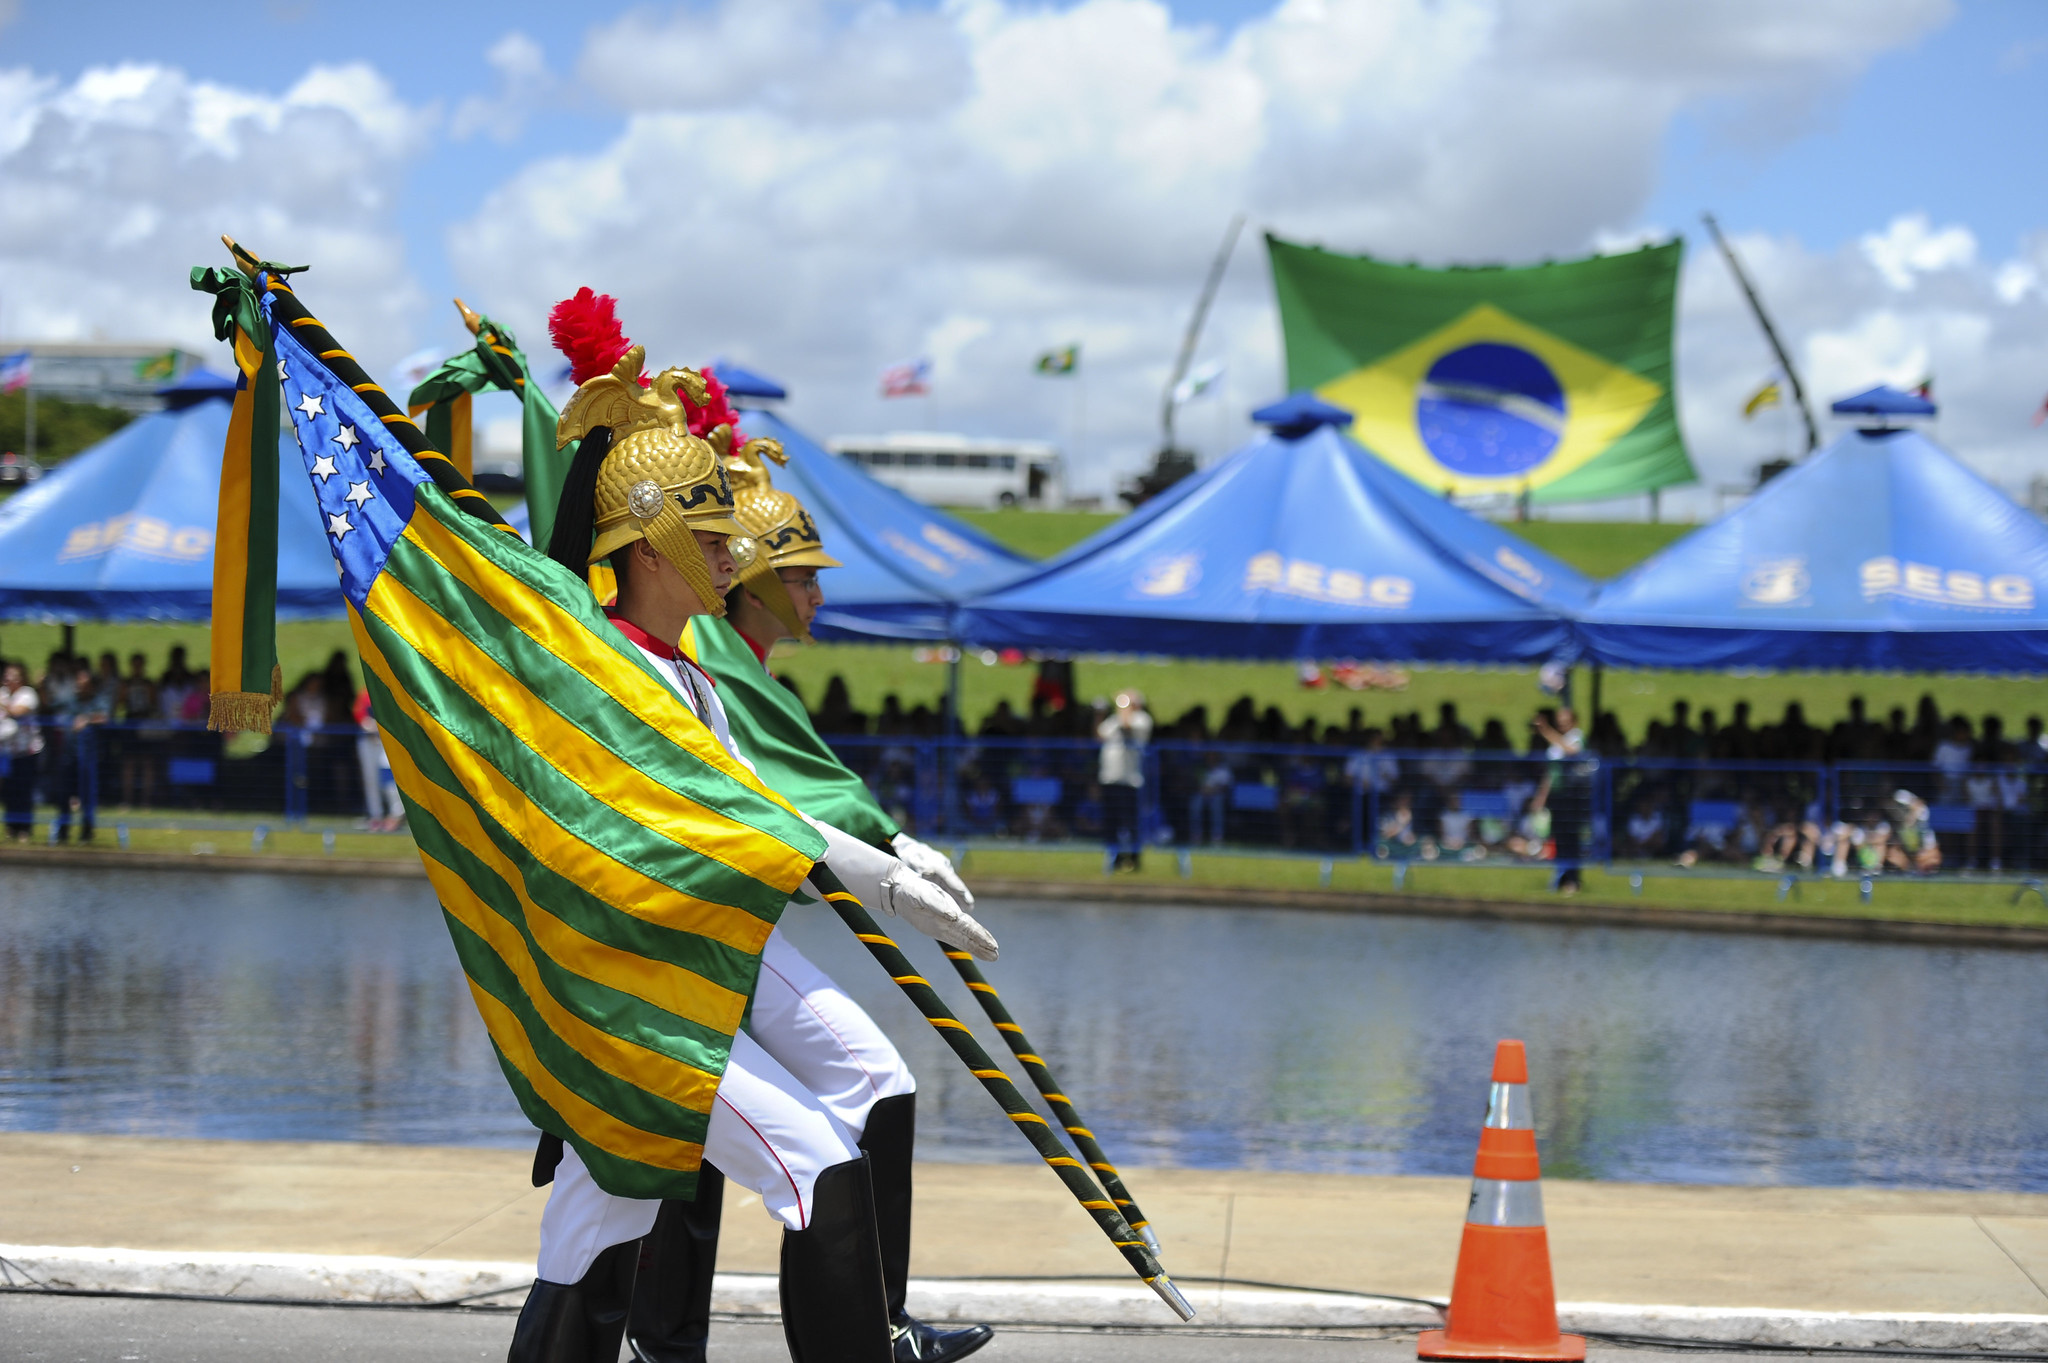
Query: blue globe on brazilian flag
[1552, 380]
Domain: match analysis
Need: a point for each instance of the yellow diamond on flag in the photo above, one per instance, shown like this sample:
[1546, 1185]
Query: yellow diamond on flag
[1489, 403]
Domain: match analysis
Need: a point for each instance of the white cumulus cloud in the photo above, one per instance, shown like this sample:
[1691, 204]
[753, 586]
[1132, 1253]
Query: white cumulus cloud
[819, 189]
[1911, 247]
[112, 187]
[524, 84]
[1850, 325]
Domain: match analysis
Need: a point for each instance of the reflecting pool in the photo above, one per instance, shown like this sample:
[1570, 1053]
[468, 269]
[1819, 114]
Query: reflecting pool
[253, 1006]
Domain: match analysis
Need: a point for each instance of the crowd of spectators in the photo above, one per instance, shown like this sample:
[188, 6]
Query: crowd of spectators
[1916, 791]
[84, 733]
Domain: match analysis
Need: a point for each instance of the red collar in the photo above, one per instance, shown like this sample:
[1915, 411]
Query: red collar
[667, 652]
[761, 651]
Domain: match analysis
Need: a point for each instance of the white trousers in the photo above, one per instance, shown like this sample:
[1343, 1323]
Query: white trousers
[793, 1102]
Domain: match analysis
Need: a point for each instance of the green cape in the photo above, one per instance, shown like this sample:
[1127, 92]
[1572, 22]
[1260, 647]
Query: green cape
[774, 731]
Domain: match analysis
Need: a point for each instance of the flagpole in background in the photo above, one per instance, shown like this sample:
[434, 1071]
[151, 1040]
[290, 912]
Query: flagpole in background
[1763, 320]
[1193, 336]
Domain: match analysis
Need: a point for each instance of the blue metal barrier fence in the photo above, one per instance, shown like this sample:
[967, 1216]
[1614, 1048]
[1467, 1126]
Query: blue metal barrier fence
[1446, 806]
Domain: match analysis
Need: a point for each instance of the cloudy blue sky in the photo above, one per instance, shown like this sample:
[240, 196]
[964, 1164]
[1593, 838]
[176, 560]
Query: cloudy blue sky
[820, 189]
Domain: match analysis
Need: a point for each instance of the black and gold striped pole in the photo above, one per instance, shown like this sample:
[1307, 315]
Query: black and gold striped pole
[884, 949]
[1062, 1106]
[308, 331]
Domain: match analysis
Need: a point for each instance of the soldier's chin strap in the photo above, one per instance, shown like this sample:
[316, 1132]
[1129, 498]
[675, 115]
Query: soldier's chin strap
[771, 591]
[673, 539]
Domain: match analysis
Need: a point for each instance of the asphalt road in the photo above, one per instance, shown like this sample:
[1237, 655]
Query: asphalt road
[113, 1330]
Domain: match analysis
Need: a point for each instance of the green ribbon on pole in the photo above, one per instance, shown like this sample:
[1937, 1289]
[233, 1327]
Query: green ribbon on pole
[497, 363]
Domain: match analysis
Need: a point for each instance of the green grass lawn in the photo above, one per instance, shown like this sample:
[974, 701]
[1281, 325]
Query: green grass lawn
[1601, 549]
[1036, 534]
[1923, 901]
[1171, 686]
[302, 645]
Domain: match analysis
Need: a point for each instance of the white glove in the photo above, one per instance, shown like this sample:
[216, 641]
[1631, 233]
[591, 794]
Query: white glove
[933, 865]
[930, 910]
[881, 881]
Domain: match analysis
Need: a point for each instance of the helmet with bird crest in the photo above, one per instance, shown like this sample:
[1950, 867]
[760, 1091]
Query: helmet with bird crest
[641, 471]
[783, 532]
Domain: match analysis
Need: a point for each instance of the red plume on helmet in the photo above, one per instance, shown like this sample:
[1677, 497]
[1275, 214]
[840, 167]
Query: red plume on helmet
[715, 412]
[586, 330]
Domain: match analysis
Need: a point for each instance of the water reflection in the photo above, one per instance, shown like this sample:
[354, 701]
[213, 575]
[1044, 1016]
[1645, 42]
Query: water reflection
[255, 1006]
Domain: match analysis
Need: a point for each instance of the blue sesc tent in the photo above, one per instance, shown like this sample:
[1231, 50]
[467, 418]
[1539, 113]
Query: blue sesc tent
[907, 566]
[1883, 551]
[1301, 545]
[124, 530]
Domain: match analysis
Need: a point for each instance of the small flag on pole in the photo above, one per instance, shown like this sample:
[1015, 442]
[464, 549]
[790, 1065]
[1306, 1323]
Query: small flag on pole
[1924, 388]
[907, 380]
[1197, 383]
[16, 370]
[2041, 412]
[1767, 396]
[157, 368]
[1065, 360]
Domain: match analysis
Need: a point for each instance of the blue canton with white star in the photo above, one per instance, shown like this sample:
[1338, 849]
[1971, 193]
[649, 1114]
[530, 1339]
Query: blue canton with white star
[362, 477]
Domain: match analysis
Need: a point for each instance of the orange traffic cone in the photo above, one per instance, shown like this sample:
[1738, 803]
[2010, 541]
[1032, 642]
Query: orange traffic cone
[1502, 1302]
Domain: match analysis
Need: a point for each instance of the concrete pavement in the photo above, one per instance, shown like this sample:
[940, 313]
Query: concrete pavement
[73, 1330]
[1707, 1254]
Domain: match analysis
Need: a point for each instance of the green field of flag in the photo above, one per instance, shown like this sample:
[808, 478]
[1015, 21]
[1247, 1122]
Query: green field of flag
[1552, 381]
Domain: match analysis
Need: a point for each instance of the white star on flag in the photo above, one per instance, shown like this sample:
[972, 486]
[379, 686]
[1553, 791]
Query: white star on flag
[338, 526]
[323, 467]
[347, 439]
[282, 377]
[310, 405]
[359, 493]
[377, 464]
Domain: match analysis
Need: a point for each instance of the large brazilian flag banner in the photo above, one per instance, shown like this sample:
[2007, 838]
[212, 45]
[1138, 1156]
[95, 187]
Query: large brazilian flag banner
[608, 872]
[1552, 380]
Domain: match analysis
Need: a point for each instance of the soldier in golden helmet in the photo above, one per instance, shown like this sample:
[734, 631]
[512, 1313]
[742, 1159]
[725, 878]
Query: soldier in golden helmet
[848, 1056]
[781, 584]
[793, 1110]
[646, 479]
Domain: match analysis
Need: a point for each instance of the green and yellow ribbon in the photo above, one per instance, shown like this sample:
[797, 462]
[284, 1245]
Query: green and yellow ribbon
[446, 398]
[247, 686]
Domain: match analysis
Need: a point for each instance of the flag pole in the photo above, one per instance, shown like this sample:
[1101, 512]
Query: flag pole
[314, 336]
[927, 1000]
[1062, 1106]
[1756, 307]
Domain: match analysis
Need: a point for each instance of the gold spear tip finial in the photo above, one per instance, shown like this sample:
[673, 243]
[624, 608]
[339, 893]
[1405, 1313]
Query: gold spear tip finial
[244, 262]
[469, 319]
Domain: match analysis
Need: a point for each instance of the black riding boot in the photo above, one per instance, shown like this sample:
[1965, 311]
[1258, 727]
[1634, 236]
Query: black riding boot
[890, 1133]
[834, 1307]
[579, 1322]
[671, 1316]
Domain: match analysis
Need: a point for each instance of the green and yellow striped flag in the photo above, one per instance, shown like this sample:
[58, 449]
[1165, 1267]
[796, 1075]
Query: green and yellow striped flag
[775, 732]
[608, 872]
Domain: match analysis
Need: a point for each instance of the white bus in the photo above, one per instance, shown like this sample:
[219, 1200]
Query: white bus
[958, 470]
